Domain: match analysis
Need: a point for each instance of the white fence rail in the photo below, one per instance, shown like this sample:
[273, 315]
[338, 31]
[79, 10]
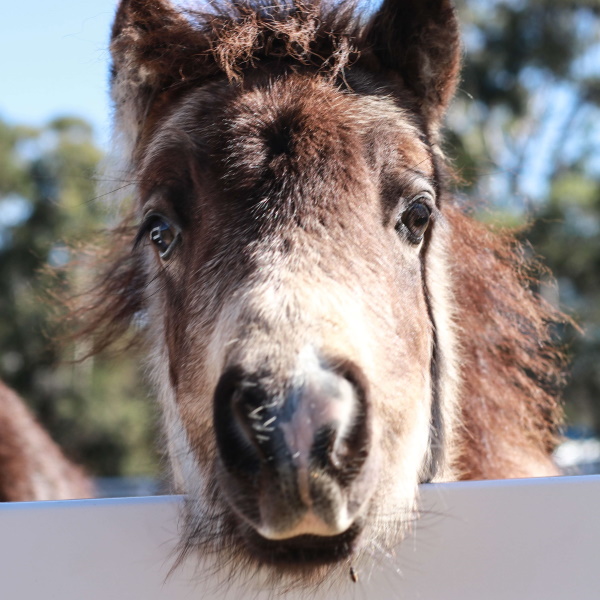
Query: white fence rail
[520, 539]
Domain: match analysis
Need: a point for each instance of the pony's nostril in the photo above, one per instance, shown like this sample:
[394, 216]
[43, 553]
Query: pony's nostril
[324, 452]
[248, 420]
[237, 449]
[258, 415]
[248, 405]
[341, 446]
[340, 454]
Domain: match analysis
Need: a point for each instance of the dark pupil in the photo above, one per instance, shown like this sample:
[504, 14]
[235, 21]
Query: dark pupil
[416, 219]
[162, 236]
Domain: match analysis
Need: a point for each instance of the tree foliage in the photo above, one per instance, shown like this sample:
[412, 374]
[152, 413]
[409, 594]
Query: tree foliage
[96, 410]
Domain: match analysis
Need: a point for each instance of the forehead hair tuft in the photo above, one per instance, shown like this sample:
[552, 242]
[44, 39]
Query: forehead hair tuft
[306, 32]
[227, 37]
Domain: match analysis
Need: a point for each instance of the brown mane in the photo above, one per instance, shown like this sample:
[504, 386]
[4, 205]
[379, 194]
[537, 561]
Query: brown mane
[512, 370]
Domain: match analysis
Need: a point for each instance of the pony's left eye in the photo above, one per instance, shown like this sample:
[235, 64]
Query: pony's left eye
[161, 232]
[415, 220]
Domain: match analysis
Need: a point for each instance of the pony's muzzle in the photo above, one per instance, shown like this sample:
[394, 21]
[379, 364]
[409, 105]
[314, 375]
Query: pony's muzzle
[291, 450]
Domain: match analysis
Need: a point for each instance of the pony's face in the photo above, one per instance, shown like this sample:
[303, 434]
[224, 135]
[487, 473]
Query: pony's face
[289, 226]
[291, 244]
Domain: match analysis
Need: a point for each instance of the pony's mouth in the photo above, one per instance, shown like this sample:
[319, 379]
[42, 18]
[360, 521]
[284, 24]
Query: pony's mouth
[303, 550]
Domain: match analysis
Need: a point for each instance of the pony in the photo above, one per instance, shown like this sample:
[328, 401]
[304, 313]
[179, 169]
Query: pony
[32, 466]
[327, 327]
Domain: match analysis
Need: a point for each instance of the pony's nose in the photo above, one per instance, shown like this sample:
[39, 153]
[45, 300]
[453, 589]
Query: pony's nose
[303, 441]
[306, 425]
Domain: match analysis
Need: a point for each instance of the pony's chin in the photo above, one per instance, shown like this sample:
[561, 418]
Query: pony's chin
[303, 551]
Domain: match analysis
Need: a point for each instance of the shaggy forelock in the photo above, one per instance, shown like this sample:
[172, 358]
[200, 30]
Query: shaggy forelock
[228, 37]
[311, 33]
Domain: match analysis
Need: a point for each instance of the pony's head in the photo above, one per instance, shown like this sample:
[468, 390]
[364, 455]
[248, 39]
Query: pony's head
[291, 265]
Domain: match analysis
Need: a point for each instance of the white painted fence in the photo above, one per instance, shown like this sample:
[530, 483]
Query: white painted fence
[521, 539]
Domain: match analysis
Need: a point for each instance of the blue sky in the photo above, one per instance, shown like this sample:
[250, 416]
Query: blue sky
[54, 61]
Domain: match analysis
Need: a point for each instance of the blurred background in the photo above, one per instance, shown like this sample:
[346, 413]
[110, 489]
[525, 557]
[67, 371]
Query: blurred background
[523, 135]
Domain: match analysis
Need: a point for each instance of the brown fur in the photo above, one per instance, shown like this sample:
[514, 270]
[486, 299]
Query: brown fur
[282, 138]
[511, 370]
[32, 466]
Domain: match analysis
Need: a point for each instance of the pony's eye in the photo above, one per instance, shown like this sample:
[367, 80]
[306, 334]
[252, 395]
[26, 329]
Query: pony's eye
[415, 220]
[163, 234]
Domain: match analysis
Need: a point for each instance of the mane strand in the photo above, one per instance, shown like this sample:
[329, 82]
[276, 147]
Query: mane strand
[512, 370]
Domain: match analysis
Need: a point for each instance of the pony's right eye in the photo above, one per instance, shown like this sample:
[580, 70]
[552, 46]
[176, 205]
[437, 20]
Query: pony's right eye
[415, 220]
[161, 233]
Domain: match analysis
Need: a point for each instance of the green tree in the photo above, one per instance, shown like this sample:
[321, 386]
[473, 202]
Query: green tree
[97, 410]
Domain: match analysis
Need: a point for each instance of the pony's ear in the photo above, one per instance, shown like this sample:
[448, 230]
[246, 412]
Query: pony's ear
[156, 53]
[419, 40]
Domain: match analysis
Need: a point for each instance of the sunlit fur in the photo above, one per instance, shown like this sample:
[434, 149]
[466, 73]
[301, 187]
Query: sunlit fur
[285, 140]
